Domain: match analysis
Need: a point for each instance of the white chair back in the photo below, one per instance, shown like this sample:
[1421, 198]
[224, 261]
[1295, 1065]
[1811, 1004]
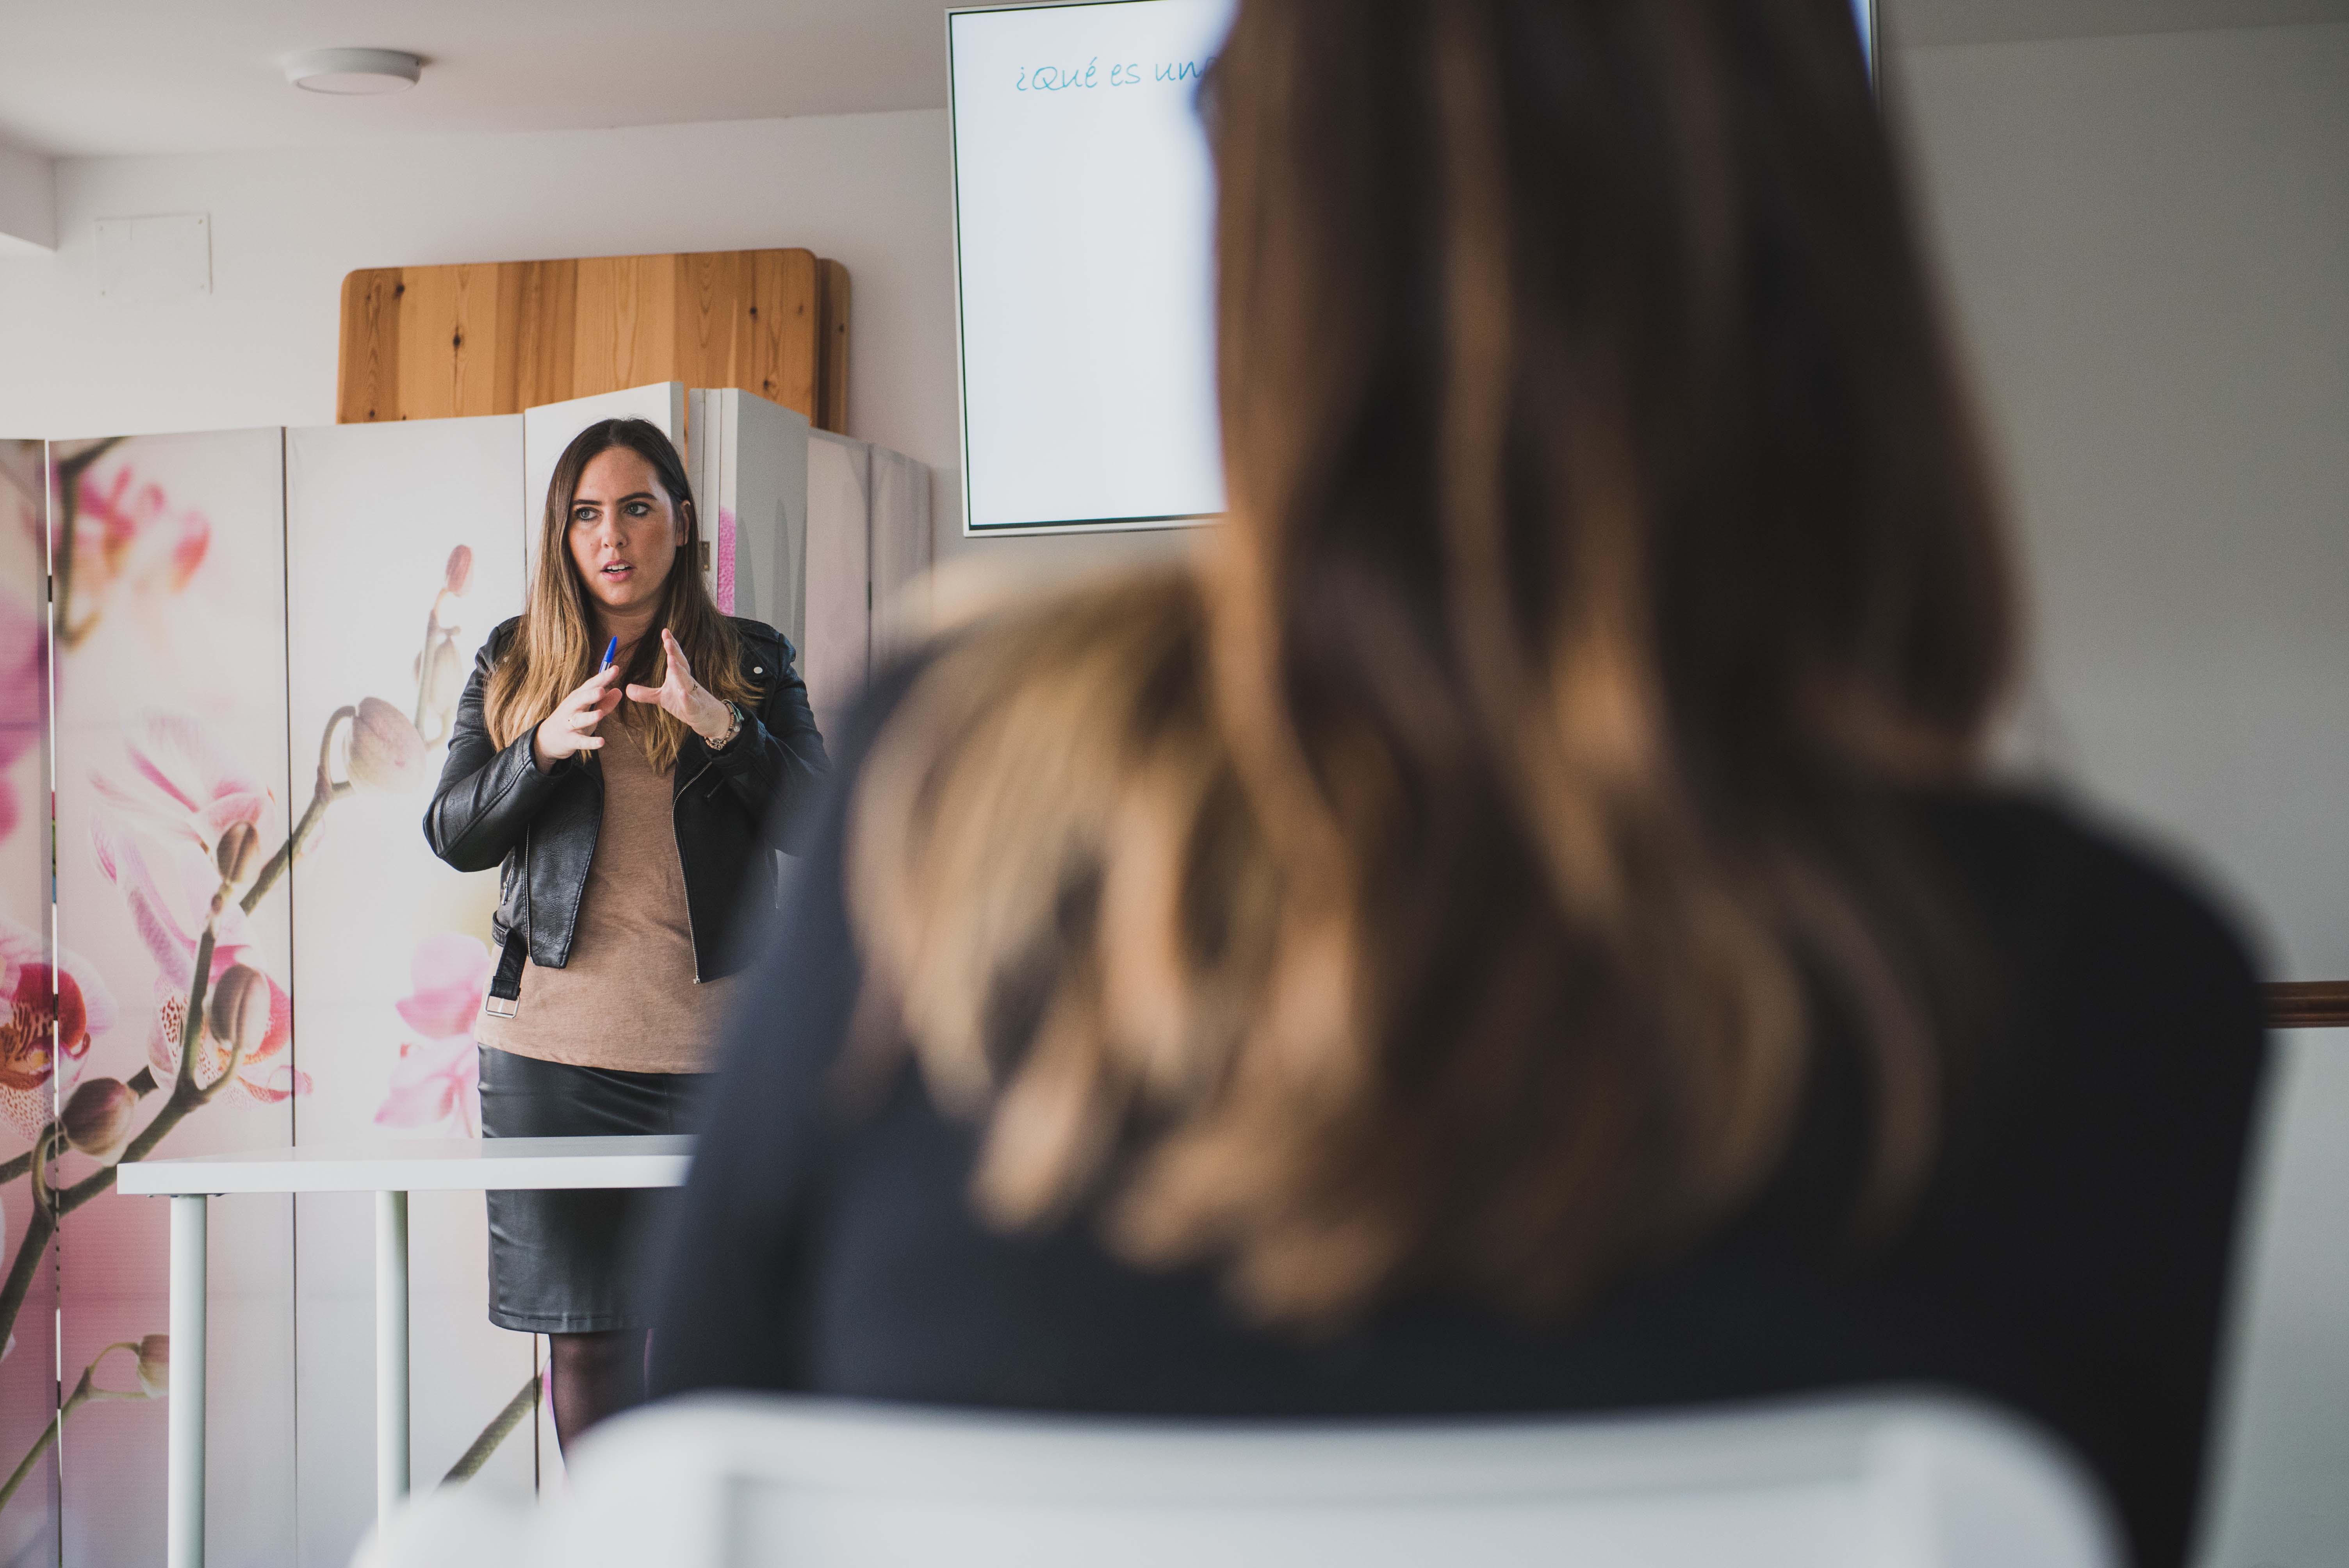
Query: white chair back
[739, 1482]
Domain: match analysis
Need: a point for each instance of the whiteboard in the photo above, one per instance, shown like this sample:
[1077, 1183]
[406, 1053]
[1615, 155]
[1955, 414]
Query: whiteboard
[1084, 217]
[1084, 226]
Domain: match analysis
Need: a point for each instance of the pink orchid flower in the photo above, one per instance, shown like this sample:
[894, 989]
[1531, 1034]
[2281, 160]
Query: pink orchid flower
[24, 697]
[169, 923]
[45, 1009]
[181, 781]
[451, 975]
[432, 1082]
[126, 533]
[441, 1078]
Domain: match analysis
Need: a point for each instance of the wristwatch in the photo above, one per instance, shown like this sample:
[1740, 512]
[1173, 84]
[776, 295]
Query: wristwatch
[733, 730]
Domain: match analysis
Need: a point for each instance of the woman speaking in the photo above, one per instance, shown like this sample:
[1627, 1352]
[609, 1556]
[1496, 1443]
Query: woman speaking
[626, 756]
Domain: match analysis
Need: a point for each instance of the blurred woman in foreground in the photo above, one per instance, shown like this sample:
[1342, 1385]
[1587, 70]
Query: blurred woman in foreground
[1519, 925]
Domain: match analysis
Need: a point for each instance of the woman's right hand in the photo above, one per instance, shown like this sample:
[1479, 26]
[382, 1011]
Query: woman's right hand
[571, 727]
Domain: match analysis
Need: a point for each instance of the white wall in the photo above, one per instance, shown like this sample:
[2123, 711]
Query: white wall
[2148, 240]
[868, 191]
[28, 217]
[2276, 1475]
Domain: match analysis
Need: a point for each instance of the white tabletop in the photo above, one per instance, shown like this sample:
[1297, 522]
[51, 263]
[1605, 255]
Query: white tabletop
[384, 1165]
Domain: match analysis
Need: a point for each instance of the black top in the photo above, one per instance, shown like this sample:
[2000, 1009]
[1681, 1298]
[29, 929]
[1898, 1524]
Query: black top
[2069, 1259]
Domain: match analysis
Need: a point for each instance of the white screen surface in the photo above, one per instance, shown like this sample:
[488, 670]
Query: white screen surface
[1084, 217]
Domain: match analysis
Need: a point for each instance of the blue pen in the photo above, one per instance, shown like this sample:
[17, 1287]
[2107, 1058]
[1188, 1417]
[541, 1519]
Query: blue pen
[611, 652]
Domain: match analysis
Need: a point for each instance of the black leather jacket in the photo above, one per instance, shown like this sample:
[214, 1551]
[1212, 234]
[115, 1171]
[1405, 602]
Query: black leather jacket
[494, 807]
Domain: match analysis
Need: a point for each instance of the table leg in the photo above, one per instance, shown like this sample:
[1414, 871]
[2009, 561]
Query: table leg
[183, 1490]
[390, 1353]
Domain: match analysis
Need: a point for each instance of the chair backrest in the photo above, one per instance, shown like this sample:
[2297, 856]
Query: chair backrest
[1884, 1481]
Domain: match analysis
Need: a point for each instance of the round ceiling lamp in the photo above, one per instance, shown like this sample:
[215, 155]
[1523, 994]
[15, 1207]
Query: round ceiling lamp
[354, 73]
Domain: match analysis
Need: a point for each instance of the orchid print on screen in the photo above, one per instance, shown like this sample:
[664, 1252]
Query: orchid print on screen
[193, 841]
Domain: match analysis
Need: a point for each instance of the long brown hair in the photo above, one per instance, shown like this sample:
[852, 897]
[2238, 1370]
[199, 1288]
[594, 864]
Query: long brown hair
[555, 647]
[1448, 880]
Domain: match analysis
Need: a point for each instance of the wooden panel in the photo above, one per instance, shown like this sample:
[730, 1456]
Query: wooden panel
[484, 362]
[2307, 1003]
[505, 362]
[832, 328]
[369, 383]
[448, 341]
[716, 324]
[785, 358]
[544, 333]
[421, 343]
[428, 323]
[622, 331]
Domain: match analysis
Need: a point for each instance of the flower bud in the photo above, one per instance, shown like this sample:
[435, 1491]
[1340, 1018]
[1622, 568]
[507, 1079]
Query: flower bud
[460, 570]
[155, 1365]
[98, 1118]
[238, 856]
[239, 1015]
[386, 753]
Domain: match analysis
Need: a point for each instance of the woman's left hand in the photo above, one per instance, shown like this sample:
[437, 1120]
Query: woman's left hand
[684, 696]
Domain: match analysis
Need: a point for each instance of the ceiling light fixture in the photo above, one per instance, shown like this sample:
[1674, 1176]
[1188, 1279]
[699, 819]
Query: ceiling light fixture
[354, 73]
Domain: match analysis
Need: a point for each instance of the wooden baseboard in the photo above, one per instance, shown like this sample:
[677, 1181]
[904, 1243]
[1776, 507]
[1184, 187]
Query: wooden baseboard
[2307, 1003]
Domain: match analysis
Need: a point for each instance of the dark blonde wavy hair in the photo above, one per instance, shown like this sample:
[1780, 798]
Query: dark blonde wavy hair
[1448, 880]
[557, 647]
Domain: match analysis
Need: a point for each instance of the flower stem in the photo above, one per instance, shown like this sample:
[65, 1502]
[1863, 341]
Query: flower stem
[424, 664]
[11, 1168]
[185, 1095]
[277, 862]
[45, 1216]
[501, 1425]
[25, 1466]
[326, 793]
[192, 1025]
[47, 1149]
[68, 498]
[84, 1393]
[29, 1253]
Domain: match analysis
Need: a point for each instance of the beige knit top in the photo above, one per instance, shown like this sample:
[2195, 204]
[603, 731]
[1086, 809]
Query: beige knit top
[627, 998]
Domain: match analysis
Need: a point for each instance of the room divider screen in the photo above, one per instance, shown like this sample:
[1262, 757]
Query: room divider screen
[257, 639]
[28, 1015]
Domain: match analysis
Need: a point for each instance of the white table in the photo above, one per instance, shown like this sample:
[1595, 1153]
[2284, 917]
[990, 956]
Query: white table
[391, 1172]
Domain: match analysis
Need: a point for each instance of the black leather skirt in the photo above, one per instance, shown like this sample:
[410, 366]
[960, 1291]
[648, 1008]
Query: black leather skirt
[561, 1262]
